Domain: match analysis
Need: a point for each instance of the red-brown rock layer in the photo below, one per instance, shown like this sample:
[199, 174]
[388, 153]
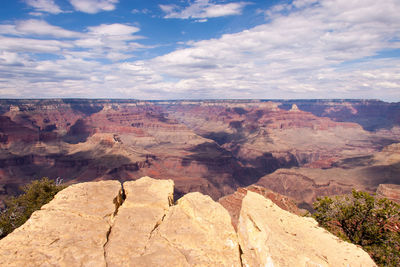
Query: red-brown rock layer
[212, 147]
[389, 191]
[233, 203]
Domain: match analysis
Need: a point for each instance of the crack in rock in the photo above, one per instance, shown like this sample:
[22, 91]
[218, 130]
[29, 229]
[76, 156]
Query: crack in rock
[240, 255]
[254, 223]
[170, 204]
[118, 201]
[157, 225]
[151, 233]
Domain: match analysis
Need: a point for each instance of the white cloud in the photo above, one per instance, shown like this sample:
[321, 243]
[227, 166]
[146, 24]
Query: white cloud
[70, 64]
[93, 6]
[110, 41]
[37, 28]
[202, 9]
[42, 28]
[284, 57]
[168, 8]
[106, 41]
[141, 11]
[10, 58]
[44, 6]
[22, 45]
[115, 29]
[307, 49]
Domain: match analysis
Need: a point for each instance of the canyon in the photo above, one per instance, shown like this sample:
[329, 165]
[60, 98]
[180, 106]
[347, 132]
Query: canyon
[302, 149]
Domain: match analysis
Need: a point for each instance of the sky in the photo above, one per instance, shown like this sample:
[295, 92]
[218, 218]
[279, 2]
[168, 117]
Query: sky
[200, 49]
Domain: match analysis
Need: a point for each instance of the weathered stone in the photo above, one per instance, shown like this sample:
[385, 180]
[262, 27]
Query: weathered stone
[195, 232]
[270, 236]
[147, 201]
[71, 230]
[90, 224]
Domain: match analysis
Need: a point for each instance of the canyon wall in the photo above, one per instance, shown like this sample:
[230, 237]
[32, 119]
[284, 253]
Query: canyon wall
[303, 149]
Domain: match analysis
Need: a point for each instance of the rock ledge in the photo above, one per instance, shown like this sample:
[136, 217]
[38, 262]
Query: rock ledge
[105, 224]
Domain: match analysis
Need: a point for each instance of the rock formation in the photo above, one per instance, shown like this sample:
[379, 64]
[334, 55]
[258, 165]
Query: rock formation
[71, 230]
[233, 203]
[389, 191]
[104, 224]
[377, 171]
[270, 236]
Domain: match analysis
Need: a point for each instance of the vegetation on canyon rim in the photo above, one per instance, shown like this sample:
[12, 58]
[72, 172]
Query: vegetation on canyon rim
[364, 220]
[19, 209]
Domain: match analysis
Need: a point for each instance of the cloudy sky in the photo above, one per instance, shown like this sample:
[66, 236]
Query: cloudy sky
[193, 49]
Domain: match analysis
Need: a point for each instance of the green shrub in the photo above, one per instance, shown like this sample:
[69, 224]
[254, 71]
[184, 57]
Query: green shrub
[19, 209]
[363, 220]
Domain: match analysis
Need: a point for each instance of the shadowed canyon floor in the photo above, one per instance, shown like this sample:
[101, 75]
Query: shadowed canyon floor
[302, 149]
[138, 224]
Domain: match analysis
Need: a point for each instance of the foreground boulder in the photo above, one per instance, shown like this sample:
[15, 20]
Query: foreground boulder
[145, 206]
[104, 224]
[270, 236]
[195, 232]
[71, 230]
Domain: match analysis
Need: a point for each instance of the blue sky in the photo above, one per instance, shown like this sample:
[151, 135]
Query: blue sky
[195, 49]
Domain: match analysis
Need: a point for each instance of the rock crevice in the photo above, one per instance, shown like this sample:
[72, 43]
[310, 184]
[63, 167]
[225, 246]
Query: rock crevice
[118, 201]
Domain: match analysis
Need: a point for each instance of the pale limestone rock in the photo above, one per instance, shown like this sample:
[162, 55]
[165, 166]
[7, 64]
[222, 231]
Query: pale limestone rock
[89, 225]
[270, 236]
[195, 232]
[71, 230]
[294, 108]
[147, 201]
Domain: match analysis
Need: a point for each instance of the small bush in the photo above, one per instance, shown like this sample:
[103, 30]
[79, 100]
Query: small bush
[19, 209]
[363, 220]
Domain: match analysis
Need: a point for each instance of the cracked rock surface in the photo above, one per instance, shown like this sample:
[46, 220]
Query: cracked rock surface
[195, 232]
[147, 201]
[71, 230]
[138, 224]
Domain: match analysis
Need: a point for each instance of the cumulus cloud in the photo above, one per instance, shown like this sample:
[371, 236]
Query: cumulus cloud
[44, 6]
[202, 9]
[25, 45]
[105, 41]
[93, 6]
[306, 49]
[115, 29]
[43, 60]
[38, 28]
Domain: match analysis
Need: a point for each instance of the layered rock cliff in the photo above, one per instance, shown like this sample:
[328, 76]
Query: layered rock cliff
[138, 224]
[302, 149]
